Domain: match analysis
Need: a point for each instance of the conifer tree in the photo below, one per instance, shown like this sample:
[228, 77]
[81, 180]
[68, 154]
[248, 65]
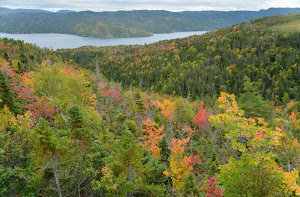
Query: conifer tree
[165, 151]
[190, 187]
[77, 123]
[139, 101]
[48, 151]
[129, 155]
[214, 165]
[126, 161]
[252, 101]
[75, 119]
[7, 96]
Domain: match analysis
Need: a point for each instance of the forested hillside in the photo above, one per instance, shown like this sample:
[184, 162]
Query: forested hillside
[204, 65]
[66, 130]
[136, 23]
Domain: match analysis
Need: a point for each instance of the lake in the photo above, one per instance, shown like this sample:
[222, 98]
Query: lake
[61, 41]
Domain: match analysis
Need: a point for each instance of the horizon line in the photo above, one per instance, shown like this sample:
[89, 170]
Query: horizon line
[55, 10]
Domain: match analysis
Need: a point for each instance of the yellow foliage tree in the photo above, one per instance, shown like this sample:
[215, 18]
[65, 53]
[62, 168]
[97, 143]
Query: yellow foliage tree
[253, 138]
[178, 163]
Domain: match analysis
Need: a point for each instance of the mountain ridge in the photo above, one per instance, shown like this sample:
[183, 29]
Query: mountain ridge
[138, 23]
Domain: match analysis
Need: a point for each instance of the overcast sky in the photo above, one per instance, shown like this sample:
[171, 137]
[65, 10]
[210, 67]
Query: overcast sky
[171, 5]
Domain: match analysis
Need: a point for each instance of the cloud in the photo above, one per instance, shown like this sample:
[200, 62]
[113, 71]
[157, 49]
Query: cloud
[171, 5]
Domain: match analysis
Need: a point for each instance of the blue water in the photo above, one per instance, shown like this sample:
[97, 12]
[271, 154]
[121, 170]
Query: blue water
[60, 41]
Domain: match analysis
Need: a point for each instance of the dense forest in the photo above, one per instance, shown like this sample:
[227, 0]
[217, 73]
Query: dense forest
[138, 23]
[69, 129]
[207, 64]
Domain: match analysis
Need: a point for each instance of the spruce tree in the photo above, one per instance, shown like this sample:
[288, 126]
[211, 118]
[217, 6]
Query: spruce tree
[165, 150]
[190, 187]
[213, 169]
[252, 101]
[7, 96]
[128, 155]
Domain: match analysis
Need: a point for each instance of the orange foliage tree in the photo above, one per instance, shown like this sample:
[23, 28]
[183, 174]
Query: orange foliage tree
[152, 137]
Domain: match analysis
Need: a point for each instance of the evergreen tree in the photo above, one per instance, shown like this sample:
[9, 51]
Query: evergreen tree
[190, 187]
[213, 169]
[139, 101]
[49, 151]
[75, 118]
[252, 101]
[127, 160]
[129, 155]
[165, 150]
[7, 96]
[77, 123]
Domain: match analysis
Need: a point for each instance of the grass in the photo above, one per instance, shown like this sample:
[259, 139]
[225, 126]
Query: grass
[289, 26]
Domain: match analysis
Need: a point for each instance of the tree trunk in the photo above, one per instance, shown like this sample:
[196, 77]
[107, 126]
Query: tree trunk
[97, 72]
[56, 178]
[129, 175]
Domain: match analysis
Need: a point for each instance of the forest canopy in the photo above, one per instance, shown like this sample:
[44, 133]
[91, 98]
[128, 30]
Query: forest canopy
[211, 115]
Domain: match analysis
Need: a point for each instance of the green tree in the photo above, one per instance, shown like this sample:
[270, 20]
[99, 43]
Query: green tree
[165, 151]
[77, 122]
[213, 169]
[246, 179]
[8, 97]
[49, 152]
[14, 154]
[252, 101]
[127, 160]
[190, 187]
[62, 87]
[184, 111]
[75, 117]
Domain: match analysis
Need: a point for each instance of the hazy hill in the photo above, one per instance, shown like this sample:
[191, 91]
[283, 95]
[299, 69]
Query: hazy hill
[64, 11]
[128, 23]
[13, 11]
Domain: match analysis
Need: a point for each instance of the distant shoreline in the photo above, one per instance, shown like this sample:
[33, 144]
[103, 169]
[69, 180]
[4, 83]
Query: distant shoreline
[63, 41]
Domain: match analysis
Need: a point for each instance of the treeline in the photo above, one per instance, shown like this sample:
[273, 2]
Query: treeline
[204, 65]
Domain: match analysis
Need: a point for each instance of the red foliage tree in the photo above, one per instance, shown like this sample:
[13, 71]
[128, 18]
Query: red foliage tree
[212, 188]
[201, 118]
[115, 95]
[41, 108]
[192, 160]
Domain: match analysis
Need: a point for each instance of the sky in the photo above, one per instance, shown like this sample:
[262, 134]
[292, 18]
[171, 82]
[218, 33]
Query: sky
[170, 5]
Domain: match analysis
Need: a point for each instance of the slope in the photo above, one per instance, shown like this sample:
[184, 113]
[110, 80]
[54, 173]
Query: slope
[66, 131]
[205, 65]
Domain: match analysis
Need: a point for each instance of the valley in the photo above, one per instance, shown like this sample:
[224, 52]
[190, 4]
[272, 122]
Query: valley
[216, 114]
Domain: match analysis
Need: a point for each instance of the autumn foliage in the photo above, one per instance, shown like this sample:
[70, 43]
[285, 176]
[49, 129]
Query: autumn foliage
[212, 188]
[201, 118]
[152, 137]
[70, 130]
[179, 164]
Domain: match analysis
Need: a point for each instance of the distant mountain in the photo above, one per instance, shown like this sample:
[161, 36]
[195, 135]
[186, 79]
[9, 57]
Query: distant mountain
[5, 11]
[13, 11]
[64, 11]
[128, 23]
